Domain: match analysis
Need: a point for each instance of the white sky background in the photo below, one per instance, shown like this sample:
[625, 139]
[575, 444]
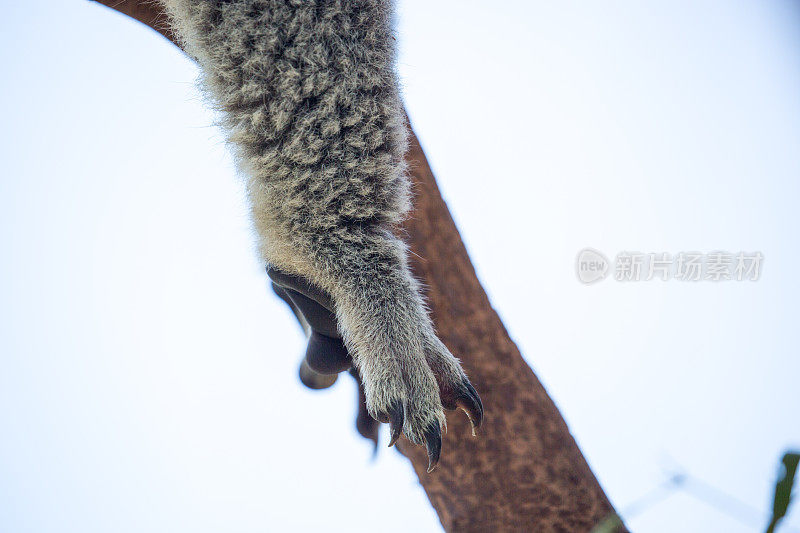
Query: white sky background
[148, 375]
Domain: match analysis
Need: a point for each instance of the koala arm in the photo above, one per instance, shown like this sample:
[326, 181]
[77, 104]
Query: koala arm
[308, 96]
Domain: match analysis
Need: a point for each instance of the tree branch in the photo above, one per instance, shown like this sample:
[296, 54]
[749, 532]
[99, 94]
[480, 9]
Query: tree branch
[524, 471]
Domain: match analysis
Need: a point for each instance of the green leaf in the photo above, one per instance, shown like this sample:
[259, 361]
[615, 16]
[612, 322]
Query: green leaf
[610, 524]
[783, 489]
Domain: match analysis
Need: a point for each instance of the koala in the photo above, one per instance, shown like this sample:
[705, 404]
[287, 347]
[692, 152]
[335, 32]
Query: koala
[309, 100]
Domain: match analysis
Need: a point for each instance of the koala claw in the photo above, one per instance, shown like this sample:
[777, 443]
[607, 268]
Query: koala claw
[433, 443]
[466, 398]
[394, 417]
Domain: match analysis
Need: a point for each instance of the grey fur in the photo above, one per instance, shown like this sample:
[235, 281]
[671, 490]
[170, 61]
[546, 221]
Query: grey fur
[309, 98]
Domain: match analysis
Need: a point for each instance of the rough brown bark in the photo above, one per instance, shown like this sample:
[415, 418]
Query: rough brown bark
[524, 471]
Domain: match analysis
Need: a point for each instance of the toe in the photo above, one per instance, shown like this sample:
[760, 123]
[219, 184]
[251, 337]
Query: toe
[470, 402]
[395, 423]
[367, 426]
[433, 442]
[313, 379]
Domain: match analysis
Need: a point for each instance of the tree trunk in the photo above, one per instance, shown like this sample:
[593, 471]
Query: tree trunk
[523, 472]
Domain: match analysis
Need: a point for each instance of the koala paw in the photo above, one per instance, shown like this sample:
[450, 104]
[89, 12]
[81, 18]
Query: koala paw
[407, 379]
[411, 395]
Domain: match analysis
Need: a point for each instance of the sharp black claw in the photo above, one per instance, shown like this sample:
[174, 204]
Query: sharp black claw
[395, 423]
[433, 442]
[471, 403]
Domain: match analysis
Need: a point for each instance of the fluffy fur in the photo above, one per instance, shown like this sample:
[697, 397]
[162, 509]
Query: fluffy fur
[309, 98]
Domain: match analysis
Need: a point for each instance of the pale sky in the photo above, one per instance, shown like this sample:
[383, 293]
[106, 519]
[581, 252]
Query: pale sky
[148, 375]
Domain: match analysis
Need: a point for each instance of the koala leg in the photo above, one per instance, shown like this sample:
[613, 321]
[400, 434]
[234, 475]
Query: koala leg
[309, 98]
